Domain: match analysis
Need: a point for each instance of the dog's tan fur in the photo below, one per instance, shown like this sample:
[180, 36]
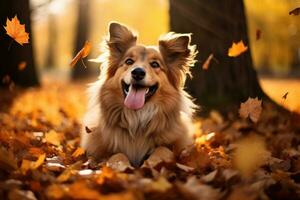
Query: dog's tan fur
[164, 120]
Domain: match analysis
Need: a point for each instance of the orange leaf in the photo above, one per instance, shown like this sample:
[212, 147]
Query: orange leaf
[84, 52]
[251, 108]
[237, 49]
[16, 30]
[207, 62]
[78, 152]
[22, 65]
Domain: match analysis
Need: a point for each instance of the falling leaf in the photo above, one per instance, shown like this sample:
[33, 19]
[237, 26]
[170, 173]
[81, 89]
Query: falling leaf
[258, 34]
[88, 130]
[250, 154]
[119, 162]
[16, 30]
[84, 52]
[78, 152]
[160, 155]
[285, 95]
[22, 65]
[53, 137]
[295, 11]
[251, 108]
[237, 49]
[207, 62]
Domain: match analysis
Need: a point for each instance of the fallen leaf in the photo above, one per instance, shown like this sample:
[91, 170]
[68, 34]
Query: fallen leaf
[258, 34]
[22, 65]
[84, 52]
[78, 152]
[27, 164]
[71, 170]
[295, 11]
[250, 154]
[7, 160]
[80, 190]
[16, 30]
[160, 155]
[251, 108]
[53, 137]
[237, 49]
[119, 162]
[207, 62]
[159, 185]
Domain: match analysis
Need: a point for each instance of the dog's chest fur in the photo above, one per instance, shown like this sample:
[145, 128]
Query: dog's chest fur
[133, 136]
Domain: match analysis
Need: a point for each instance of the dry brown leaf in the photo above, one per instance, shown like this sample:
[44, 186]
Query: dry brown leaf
[237, 49]
[7, 160]
[295, 11]
[250, 154]
[159, 185]
[78, 152]
[16, 30]
[119, 162]
[206, 64]
[84, 52]
[22, 65]
[251, 108]
[160, 155]
[67, 173]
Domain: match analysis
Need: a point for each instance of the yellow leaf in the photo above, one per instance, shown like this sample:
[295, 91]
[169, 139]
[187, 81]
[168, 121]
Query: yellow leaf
[27, 164]
[78, 152]
[251, 108]
[84, 52]
[38, 162]
[237, 49]
[250, 154]
[53, 137]
[16, 30]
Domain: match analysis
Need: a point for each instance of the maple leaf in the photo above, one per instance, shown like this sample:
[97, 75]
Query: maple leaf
[295, 11]
[207, 61]
[84, 52]
[16, 31]
[237, 49]
[251, 108]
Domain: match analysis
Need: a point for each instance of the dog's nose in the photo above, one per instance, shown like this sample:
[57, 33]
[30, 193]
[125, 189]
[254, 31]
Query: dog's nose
[138, 73]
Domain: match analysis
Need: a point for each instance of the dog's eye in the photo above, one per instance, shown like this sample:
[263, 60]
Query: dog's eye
[129, 61]
[154, 64]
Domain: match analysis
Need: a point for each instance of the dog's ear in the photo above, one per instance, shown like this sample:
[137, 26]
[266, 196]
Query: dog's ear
[179, 55]
[120, 39]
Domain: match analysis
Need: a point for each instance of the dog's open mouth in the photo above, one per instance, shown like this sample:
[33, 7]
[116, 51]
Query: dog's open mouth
[137, 94]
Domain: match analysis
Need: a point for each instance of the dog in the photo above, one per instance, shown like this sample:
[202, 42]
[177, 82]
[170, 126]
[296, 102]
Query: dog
[138, 103]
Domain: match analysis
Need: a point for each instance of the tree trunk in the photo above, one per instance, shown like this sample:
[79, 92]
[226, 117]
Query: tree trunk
[215, 25]
[79, 71]
[11, 57]
[52, 31]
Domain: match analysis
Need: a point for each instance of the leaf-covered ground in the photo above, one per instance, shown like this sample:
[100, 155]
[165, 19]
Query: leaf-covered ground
[231, 159]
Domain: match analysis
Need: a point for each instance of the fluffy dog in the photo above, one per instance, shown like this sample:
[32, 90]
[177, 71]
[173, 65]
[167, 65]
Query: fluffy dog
[139, 103]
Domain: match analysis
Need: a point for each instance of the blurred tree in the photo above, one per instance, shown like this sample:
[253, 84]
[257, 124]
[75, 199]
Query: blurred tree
[10, 58]
[215, 25]
[50, 61]
[82, 34]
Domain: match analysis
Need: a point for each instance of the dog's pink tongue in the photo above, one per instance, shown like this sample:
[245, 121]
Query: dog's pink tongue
[135, 99]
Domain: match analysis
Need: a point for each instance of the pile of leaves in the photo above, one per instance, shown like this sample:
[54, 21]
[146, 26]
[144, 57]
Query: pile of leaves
[253, 154]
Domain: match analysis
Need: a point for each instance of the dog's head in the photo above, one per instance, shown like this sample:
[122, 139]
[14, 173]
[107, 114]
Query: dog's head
[147, 72]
